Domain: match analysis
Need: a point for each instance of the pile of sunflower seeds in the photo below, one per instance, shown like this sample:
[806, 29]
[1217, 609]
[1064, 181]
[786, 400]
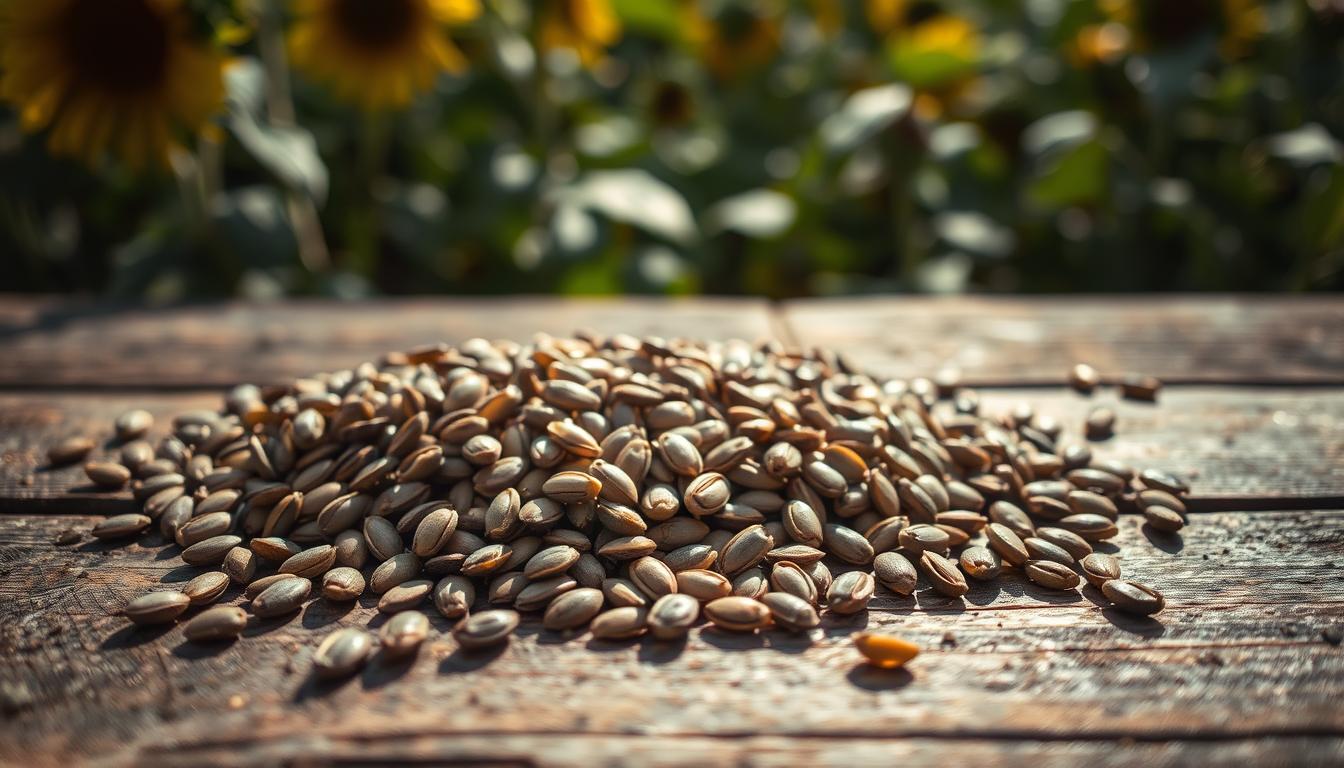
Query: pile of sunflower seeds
[620, 484]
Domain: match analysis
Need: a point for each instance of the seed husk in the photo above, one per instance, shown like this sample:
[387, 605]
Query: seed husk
[206, 588]
[619, 623]
[791, 612]
[454, 596]
[573, 609]
[393, 571]
[847, 544]
[1163, 519]
[1090, 527]
[1040, 549]
[404, 596]
[704, 585]
[1164, 481]
[1137, 386]
[706, 494]
[342, 653]
[211, 551]
[342, 583]
[403, 634]
[222, 622]
[896, 573]
[653, 577]
[924, 538]
[792, 579]
[850, 592]
[1009, 546]
[106, 474]
[943, 575]
[259, 585]
[240, 564]
[310, 563]
[156, 607]
[1084, 377]
[981, 563]
[120, 526]
[133, 424]
[1070, 542]
[1133, 597]
[672, 616]
[747, 548]
[1099, 568]
[884, 651]
[69, 451]
[738, 614]
[1051, 575]
[1100, 423]
[485, 629]
[434, 531]
[281, 597]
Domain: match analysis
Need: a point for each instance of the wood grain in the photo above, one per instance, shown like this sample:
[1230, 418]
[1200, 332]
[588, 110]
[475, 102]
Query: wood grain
[1008, 341]
[582, 751]
[1243, 448]
[65, 343]
[1238, 654]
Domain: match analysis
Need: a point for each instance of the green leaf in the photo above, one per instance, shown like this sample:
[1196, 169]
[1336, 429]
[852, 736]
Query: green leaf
[929, 69]
[634, 197]
[1077, 177]
[287, 152]
[865, 114]
[760, 213]
[657, 18]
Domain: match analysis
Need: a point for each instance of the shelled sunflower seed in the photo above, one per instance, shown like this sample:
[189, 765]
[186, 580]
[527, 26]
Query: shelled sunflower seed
[626, 482]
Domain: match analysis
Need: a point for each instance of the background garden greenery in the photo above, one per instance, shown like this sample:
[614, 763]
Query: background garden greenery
[771, 148]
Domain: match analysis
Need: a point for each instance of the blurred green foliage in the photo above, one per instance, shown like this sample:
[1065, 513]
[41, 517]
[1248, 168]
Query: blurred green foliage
[771, 148]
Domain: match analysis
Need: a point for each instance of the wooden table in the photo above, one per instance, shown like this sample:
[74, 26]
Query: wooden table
[1244, 665]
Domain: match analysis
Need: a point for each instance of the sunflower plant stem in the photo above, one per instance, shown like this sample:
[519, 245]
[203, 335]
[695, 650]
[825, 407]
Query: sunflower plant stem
[303, 215]
[365, 228]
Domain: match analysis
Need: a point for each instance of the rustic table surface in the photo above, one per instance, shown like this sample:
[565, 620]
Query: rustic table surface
[1243, 665]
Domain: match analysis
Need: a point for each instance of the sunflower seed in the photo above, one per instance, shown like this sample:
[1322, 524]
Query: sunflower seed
[342, 584]
[1133, 597]
[342, 653]
[1050, 574]
[485, 629]
[884, 651]
[403, 634]
[619, 623]
[120, 526]
[222, 622]
[156, 607]
[1099, 568]
[404, 596]
[573, 609]
[281, 597]
[850, 592]
[672, 615]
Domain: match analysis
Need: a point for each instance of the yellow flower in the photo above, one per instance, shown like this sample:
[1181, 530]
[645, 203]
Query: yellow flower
[586, 27]
[1100, 43]
[1244, 22]
[378, 53]
[100, 75]
[734, 35]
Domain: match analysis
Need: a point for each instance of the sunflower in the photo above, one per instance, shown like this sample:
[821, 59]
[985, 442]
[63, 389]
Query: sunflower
[586, 27]
[734, 36]
[108, 75]
[378, 53]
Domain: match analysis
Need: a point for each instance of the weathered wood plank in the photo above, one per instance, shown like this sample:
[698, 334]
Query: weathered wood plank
[1244, 448]
[1036, 339]
[547, 750]
[66, 343]
[1237, 654]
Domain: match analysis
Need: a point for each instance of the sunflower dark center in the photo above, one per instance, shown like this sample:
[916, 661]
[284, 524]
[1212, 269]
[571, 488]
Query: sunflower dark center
[118, 45]
[376, 25]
